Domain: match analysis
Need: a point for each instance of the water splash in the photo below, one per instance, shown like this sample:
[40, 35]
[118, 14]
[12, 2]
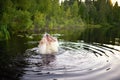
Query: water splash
[75, 61]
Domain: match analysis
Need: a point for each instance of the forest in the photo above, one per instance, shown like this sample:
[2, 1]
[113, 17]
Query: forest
[34, 16]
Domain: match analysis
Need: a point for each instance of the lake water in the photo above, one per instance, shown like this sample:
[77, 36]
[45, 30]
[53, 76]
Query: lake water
[77, 59]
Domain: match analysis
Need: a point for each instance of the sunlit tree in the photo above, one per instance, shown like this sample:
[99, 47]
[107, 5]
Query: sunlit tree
[116, 14]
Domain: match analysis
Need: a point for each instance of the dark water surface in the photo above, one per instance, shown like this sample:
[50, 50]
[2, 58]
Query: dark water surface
[76, 60]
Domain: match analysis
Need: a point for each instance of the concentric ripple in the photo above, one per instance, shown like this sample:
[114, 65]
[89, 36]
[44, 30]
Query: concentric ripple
[75, 61]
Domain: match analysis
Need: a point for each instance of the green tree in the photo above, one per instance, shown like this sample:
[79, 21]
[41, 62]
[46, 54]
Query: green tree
[83, 11]
[21, 21]
[74, 9]
[92, 14]
[102, 11]
[68, 16]
[39, 20]
[22, 4]
[42, 5]
[116, 14]
[109, 14]
[55, 14]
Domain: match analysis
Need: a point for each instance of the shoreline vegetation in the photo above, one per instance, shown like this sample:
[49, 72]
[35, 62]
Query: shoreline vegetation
[36, 16]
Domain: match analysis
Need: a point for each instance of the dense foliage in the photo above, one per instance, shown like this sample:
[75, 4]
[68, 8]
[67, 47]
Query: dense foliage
[18, 16]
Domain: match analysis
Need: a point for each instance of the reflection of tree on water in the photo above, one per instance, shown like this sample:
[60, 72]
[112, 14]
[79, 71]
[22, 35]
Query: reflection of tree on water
[47, 59]
[12, 60]
[102, 35]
